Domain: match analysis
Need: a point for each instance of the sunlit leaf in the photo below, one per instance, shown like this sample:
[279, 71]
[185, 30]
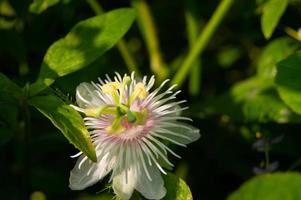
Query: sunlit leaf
[247, 101]
[38, 6]
[88, 40]
[274, 52]
[176, 188]
[272, 12]
[288, 81]
[277, 186]
[67, 120]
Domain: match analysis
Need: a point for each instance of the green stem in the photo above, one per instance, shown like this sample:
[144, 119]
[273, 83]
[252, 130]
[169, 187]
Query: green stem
[148, 30]
[121, 45]
[192, 26]
[202, 40]
[26, 140]
[95, 6]
[267, 157]
[127, 57]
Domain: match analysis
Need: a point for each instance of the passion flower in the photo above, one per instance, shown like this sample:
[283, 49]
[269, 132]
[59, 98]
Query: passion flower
[128, 123]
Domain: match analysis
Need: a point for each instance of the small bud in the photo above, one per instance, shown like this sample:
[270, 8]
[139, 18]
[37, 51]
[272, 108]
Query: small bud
[127, 80]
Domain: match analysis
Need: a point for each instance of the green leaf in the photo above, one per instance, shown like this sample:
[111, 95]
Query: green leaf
[88, 40]
[9, 91]
[67, 120]
[272, 12]
[176, 188]
[247, 101]
[277, 186]
[274, 52]
[38, 6]
[288, 81]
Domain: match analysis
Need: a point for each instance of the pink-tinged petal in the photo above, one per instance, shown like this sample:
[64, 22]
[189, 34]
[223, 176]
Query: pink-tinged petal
[86, 173]
[151, 189]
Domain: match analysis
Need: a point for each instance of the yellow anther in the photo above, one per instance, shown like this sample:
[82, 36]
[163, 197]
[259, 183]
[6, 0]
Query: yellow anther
[110, 87]
[139, 92]
[93, 112]
[96, 112]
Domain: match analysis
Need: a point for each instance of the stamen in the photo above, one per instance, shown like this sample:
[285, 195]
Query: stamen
[111, 88]
[139, 92]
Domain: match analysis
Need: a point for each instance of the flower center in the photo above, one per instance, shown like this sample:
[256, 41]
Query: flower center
[126, 110]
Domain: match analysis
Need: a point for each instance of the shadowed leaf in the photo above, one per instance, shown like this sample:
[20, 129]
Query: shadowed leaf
[67, 120]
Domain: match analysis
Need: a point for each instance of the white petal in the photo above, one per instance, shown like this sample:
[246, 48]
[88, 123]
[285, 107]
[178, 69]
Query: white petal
[180, 132]
[153, 189]
[123, 184]
[86, 96]
[86, 173]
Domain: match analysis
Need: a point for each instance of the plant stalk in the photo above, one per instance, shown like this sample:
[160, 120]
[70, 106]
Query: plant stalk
[149, 33]
[202, 41]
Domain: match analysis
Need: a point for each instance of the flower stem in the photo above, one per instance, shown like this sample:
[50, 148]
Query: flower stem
[121, 45]
[202, 40]
[148, 30]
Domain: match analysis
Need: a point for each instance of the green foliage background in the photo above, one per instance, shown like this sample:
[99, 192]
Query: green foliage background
[238, 64]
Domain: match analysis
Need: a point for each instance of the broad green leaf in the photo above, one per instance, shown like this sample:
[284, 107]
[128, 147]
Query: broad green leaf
[277, 186]
[272, 12]
[274, 52]
[176, 188]
[38, 6]
[247, 101]
[88, 40]
[9, 91]
[288, 81]
[67, 120]
[7, 15]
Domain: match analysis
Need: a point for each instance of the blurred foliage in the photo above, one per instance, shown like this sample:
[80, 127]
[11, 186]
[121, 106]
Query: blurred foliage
[264, 187]
[243, 87]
